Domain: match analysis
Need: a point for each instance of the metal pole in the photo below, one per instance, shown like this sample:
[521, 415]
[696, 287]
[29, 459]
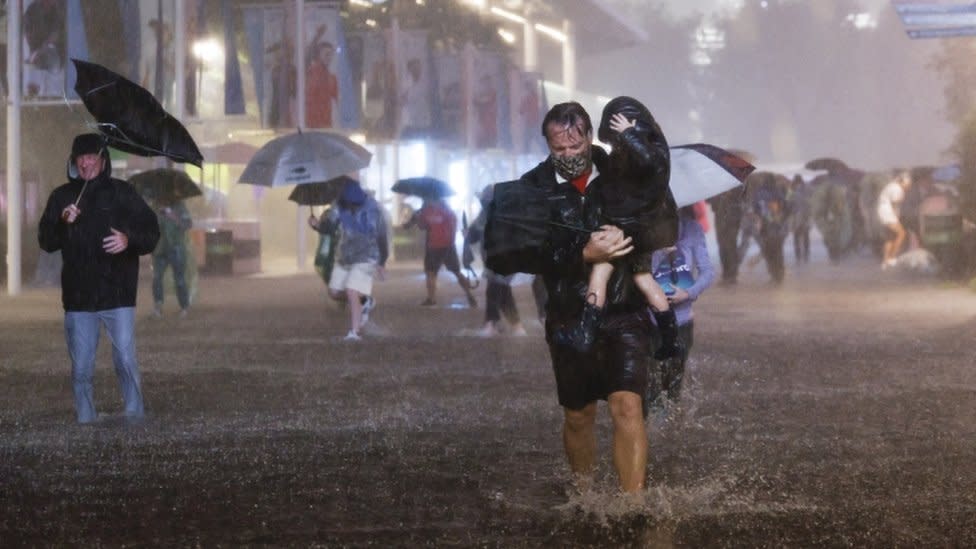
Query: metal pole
[300, 114]
[15, 188]
[179, 64]
[569, 58]
[530, 52]
[300, 62]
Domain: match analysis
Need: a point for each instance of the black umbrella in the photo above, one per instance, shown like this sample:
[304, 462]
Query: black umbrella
[165, 185]
[131, 118]
[520, 226]
[424, 187]
[827, 164]
[319, 193]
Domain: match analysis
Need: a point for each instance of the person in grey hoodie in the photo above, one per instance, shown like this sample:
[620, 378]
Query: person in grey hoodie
[361, 252]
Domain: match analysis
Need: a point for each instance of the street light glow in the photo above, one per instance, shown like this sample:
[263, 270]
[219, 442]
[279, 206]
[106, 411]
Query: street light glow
[208, 50]
[505, 14]
[555, 34]
[506, 35]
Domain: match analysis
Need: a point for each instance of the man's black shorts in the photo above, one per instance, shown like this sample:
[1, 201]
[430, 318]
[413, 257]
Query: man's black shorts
[435, 257]
[618, 362]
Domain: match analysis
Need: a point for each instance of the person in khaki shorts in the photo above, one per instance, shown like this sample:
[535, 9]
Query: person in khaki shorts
[361, 252]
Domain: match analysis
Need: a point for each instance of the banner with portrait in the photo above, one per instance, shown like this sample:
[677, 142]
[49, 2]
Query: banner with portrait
[449, 113]
[414, 83]
[491, 127]
[330, 93]
[328, 85]
[373, 70]
[45, 47]
[528, 109]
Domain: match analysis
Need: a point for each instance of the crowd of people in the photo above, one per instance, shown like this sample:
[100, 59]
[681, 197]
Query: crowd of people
[615, 275]
[880, 213]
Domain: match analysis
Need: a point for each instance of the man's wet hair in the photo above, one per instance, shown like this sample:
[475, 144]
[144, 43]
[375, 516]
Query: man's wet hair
[569, 114]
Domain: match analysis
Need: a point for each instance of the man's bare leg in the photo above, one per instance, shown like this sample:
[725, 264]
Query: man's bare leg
[579, 441]
[629, 440]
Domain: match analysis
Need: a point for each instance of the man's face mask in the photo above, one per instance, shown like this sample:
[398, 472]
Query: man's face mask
[572, 166]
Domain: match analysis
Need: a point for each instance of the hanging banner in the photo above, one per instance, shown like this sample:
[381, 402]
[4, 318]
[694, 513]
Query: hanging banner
[280, 76]
[414, 89]
[528, 109]
[158, 70]
[449, 102]
[321, 28]
[489, 96]
[44, 48]
[370, 59]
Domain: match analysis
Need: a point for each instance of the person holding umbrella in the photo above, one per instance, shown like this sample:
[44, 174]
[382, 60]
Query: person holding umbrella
[361, 252]
[101, 226]
[440, 223]
[174, 220]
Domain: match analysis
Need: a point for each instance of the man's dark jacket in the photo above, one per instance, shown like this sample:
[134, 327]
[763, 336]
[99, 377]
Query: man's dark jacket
[91, 278]
[562, 267]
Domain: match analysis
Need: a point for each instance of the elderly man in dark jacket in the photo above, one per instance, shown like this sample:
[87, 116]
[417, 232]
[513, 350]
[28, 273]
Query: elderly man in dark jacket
[102, 226]
[615, 369]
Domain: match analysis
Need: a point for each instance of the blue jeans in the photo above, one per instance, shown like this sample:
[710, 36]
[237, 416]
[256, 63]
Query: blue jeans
[81, 331]
[175, 258]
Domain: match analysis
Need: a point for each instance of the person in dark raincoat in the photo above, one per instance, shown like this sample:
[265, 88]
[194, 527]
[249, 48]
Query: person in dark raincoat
[325, 252]
[799, 204]
[831, 211]
[638, 200]
[616, 368]
[767, 195]
[174, 220]
[727, 209]
[499, 299]
[101, 226]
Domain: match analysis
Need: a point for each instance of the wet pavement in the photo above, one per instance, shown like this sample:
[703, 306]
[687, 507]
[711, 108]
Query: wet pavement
[836, 410]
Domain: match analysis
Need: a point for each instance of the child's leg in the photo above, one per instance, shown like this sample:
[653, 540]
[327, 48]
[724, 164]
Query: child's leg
[667, 322]
[652, 291]
[599, 278]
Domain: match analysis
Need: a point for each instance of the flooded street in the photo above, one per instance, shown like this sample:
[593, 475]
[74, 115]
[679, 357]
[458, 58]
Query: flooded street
[836, 410]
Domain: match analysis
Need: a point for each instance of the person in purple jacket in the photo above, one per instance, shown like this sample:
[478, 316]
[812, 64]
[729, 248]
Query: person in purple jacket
[683, 271]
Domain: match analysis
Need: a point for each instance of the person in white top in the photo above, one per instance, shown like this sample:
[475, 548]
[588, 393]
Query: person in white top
[889, 202]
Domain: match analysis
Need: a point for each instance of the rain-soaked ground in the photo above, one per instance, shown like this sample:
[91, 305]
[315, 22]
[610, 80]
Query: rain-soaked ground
[837, 410]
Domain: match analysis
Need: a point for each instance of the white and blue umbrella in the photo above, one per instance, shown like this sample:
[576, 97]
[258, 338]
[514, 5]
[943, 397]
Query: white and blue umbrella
[700, 171]
[304, 157]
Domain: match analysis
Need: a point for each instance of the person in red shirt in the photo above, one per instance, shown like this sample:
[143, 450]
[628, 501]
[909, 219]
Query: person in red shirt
[439, 221]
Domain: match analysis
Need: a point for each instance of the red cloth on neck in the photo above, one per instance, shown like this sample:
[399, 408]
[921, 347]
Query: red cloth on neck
[581, 181]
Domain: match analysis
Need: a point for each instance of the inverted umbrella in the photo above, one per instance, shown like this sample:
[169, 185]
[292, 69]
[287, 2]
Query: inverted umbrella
[827, 164]
[424, 187]
[304, 157]
[701, 171]
[319, 193]
[165, 185]
[130, 117]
